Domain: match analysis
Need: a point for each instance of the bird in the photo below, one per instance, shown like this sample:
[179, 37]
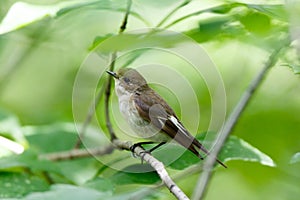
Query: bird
[149, 115]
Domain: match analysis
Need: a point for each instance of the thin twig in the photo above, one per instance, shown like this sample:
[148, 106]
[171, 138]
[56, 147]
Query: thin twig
[125, 20]
[172, 12]
[230, 124]
[89, 117]
[107, 96]
[77, 153]
[106, 88]
[109, 81]
[191, 15]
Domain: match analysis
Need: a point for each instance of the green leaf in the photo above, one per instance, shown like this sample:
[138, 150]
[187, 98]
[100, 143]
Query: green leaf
[226, 8]
[296, 69]
[252, 24]
[295, 158]
[237, 149]
[138, 40]
[257, 23]
[100, 184]
[60, 191]
[14, 185]
[61, 137]
[51, 138]
[136, 174]
[234, 149]
[79, 170]
[84, 4]
[140, 193]
[28, 160]
[215, 28]
[98, 40]
[277, 11]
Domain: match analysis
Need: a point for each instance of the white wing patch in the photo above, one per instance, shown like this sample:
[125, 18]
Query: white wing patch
[161, 120]
[178, 125]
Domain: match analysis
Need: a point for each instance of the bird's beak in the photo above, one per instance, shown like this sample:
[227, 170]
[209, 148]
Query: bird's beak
[114, 74]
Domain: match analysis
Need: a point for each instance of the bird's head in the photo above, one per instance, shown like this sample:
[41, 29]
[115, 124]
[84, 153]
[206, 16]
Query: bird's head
[128, 78]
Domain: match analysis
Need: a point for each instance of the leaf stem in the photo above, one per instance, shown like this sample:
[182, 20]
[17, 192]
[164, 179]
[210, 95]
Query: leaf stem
[172, 12]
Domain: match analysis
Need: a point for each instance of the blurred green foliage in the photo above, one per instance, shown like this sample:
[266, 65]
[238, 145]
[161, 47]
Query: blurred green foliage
[39, 61]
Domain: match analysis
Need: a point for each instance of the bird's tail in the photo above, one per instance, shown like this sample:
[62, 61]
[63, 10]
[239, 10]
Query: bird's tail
[203, 149]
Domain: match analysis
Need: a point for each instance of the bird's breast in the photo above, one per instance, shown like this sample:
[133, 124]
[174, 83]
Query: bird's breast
[141, 127]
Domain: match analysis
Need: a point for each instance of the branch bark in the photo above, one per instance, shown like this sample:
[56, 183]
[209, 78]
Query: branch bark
[157, 165]
[122, 145]
[231, 122]
[77, 153]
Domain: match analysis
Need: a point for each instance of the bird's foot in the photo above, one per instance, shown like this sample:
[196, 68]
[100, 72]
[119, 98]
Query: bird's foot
[144, 152]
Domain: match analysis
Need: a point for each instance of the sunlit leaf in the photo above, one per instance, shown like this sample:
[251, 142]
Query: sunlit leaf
[234, 149]
[237, 149]
[21, 14]
[295, 158]
[11, 130]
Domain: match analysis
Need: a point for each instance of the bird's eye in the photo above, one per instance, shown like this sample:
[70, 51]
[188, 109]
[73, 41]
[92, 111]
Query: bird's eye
[126, 79]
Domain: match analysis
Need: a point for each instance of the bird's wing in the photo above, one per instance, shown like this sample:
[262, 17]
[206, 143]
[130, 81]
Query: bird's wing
[155, 110]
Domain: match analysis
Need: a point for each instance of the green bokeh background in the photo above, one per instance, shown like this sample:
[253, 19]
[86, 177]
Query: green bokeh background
[38, 66]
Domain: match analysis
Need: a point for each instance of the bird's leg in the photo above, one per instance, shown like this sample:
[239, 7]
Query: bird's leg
[139, 144]
[157, 146]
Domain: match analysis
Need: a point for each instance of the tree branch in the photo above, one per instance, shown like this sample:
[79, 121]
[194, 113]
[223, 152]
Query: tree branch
[109, 81]
[77, 153]
[121, 145]
[89, 117]
[157, 165]
[231, 122]
[179, 176]
[107, 97]
[95, 103]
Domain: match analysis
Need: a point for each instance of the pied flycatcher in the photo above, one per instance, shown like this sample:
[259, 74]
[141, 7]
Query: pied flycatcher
[149, 115]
